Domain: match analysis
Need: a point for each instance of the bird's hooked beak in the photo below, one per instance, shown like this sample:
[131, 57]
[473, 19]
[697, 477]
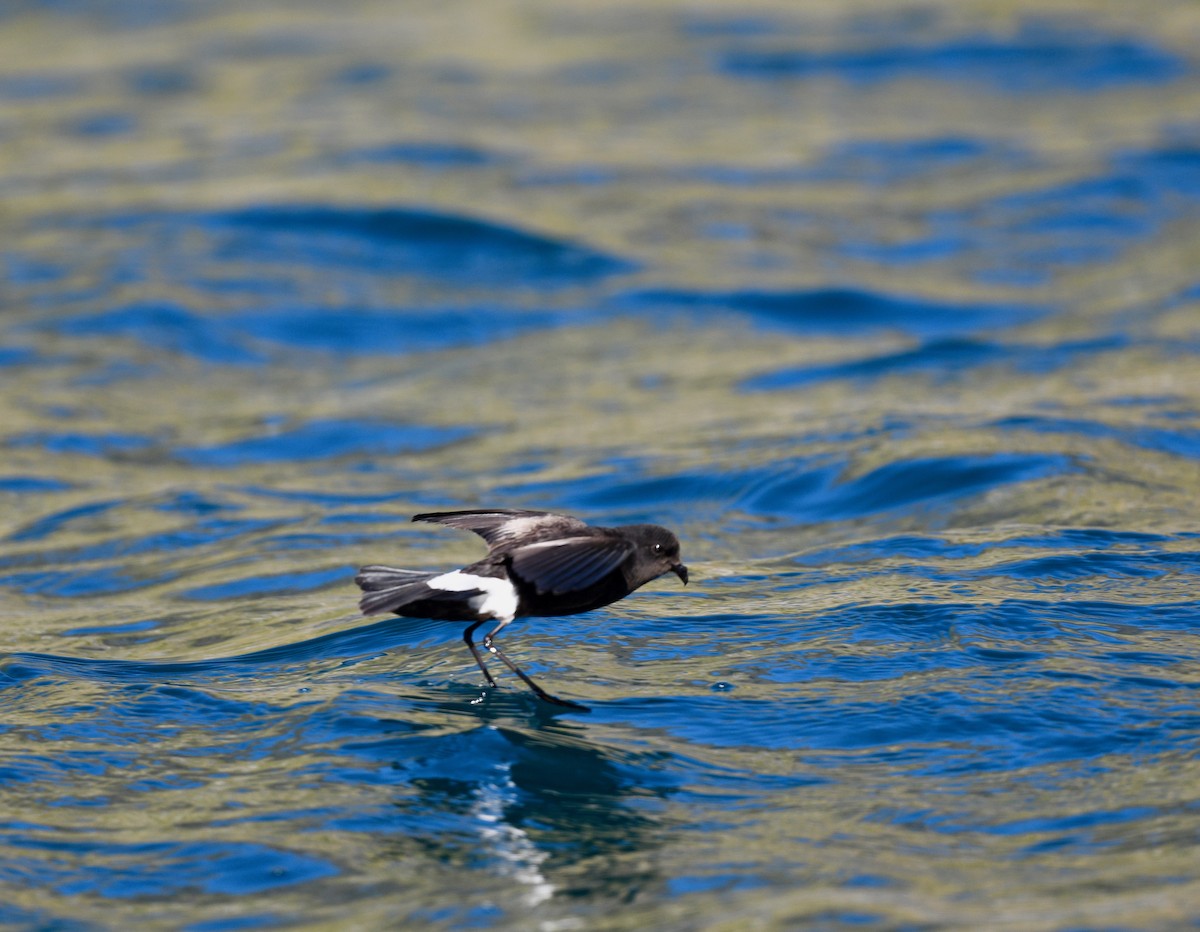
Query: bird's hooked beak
[681, 571]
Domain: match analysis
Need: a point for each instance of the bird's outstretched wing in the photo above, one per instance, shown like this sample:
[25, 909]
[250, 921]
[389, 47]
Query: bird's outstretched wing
[554, 567]
[504, 525]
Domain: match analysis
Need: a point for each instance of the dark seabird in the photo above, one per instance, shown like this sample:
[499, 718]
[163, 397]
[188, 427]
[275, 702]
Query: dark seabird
[538, 564]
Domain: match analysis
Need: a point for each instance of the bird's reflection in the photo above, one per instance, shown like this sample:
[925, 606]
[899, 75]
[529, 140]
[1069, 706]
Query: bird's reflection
[531, 798]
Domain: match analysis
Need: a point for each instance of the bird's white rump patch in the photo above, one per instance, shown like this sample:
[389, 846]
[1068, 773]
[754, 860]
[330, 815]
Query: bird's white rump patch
[498, 599]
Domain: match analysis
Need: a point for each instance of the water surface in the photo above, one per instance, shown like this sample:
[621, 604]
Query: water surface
[891, 313]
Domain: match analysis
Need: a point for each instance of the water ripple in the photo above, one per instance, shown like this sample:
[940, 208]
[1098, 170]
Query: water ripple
[1036, 59]
[945, 360]
[842, 311]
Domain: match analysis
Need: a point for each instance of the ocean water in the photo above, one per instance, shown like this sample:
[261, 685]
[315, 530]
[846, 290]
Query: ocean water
[890, 311]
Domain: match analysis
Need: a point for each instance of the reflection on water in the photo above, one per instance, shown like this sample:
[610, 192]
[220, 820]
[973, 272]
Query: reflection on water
[891, 314]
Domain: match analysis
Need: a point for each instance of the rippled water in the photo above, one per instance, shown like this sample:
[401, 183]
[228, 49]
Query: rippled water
[891, 312]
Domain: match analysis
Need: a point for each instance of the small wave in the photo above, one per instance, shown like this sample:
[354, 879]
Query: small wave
[156, 869]
[425, 154]
[255, 338]
[1176, 442]
[943, 360]
[1037, 59]
[841, 310]
[799, 489]
[361, 640]
[437, 245]
[326, 439]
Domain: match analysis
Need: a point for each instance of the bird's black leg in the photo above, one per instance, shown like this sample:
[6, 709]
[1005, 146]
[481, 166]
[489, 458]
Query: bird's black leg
[475, 651]
[541, 693]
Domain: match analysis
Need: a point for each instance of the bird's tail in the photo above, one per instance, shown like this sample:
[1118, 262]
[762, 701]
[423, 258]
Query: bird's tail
[386, 588]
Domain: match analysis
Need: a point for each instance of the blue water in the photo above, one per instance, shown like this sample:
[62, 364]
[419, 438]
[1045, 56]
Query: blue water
[893, 316]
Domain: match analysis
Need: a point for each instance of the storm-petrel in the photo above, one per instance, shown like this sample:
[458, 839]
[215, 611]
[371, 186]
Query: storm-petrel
[538, 564]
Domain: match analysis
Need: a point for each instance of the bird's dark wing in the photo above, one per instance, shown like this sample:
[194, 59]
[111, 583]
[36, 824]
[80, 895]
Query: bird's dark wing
[504, 525]
[559, 566]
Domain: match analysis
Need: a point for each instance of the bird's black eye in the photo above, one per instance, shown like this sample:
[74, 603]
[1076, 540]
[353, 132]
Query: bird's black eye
[658, 548]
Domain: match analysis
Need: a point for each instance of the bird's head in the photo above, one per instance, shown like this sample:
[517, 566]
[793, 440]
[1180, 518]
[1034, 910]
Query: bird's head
[657, 553]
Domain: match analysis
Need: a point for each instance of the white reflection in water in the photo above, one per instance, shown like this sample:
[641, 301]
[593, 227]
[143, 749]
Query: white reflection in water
[515, 854]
